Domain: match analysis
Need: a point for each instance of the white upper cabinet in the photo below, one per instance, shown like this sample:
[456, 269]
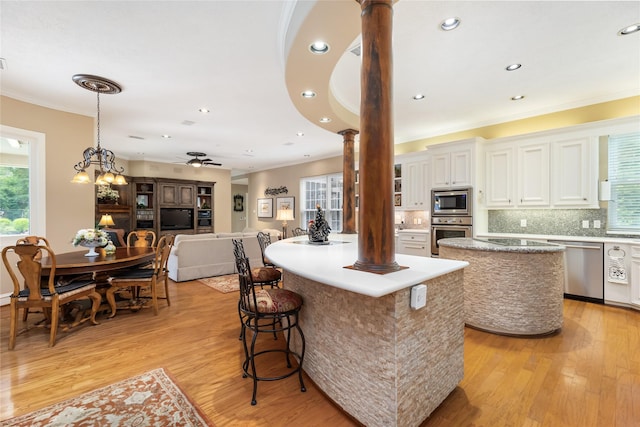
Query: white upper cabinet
[452, 164]
[533, 175]
[575, 172]
[416, 184]
[542, 172]
[499, 176]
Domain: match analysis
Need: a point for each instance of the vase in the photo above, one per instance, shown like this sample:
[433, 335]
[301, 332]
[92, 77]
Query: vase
[92, 247]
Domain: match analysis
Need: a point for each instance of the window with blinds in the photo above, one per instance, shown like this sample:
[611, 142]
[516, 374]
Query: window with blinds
[624, 178]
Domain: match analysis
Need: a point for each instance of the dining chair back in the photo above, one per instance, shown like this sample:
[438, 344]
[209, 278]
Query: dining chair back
[141, 238]
[24, 259]
[32, 240]
[137, 278]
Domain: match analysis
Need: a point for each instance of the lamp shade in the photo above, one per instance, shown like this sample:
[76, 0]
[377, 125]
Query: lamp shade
[106, 221]
[284, 215]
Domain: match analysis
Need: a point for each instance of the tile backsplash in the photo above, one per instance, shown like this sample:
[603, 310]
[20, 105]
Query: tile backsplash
[565, 222]
[412, 219]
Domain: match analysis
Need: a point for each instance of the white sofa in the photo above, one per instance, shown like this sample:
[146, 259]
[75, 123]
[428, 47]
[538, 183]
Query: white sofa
[195, 256]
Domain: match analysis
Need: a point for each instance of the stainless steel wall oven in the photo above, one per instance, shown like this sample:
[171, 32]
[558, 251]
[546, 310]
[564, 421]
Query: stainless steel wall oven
[451, 215]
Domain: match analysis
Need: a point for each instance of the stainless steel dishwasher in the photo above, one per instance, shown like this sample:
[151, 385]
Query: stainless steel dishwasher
[584, 270]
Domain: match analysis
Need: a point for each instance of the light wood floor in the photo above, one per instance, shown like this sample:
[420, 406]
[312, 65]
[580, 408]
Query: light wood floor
[587, 375]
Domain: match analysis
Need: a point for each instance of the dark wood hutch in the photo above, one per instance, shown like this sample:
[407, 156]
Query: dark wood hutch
[161, 204]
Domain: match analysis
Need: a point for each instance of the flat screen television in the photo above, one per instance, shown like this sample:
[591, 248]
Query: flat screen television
[176, 219]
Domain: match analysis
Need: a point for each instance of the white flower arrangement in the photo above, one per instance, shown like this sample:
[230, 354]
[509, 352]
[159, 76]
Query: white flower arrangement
[90, 235]
[106, 192]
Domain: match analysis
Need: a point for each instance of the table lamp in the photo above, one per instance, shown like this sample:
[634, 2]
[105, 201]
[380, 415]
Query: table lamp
[106, 221]
[284, 215]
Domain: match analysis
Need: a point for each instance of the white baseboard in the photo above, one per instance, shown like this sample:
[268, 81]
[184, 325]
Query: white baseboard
[5, 299]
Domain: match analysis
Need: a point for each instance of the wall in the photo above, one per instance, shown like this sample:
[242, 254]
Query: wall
[69, 206]
[238, 218]
[289, 177]
[222, 189]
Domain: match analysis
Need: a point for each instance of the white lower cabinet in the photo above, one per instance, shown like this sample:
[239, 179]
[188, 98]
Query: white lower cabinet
[413, 243]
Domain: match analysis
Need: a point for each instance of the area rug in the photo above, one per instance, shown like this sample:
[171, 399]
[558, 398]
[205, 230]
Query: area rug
[224, 284]
[150, 399]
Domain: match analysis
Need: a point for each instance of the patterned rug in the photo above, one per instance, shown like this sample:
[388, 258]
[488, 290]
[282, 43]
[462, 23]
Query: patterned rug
[224, 284]
[150, 399]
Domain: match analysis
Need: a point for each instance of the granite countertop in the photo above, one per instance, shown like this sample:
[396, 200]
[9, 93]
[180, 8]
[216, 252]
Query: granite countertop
[326, 264]
[615, 240]
[501, 245]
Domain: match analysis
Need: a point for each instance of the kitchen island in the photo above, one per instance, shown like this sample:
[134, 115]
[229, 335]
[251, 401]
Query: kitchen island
[381, 361]
[512, 286]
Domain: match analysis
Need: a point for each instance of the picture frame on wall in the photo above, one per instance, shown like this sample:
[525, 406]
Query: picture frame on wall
[286, 203]
[265, 208]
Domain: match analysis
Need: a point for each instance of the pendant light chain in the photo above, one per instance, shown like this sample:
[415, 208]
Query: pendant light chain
[98, 121]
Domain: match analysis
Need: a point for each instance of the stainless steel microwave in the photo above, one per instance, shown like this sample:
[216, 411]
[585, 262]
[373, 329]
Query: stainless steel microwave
[451, 202]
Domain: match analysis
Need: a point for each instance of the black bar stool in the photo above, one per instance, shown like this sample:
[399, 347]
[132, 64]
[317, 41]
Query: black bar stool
[270, 310]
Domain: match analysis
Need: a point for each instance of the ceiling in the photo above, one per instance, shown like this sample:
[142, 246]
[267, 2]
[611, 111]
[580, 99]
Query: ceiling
[248, 62]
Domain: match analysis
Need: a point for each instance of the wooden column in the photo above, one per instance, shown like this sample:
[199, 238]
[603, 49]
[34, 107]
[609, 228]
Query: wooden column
[348, 182]
[376, 238]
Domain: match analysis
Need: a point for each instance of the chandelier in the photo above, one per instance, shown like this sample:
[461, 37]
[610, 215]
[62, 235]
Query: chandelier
[103, 159]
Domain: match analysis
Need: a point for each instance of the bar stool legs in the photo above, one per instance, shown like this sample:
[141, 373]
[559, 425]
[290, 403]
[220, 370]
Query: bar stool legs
[286, 323]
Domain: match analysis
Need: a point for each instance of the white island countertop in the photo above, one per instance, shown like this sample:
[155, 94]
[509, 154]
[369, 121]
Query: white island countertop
[326, 264]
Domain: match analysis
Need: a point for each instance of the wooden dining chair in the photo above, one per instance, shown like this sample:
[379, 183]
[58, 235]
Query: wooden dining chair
[24, 259]
[141, 239]
[139, 278]
[31, 240]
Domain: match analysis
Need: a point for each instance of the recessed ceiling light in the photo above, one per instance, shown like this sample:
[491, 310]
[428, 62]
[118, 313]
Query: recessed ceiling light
[308, 94]
[517, 97]
[629, 30]
[513, 67]
[248, 150]
[450, 24]
[300, 134]
[203, 110]
[165, 136]
[325, 120]
[319, 47]
[418, 96]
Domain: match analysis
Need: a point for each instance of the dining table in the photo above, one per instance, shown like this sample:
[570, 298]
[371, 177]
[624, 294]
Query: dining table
[75, 263]
[70, 265]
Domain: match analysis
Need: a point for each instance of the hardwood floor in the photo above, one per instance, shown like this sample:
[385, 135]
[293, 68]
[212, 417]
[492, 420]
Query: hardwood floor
[587, 375]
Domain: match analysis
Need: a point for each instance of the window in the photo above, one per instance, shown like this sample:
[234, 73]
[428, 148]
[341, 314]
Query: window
[22, 184]
[325, 191]
[624, 178]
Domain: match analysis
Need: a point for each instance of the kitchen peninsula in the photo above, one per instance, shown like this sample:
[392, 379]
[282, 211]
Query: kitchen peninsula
[512, 286]
[383, 362]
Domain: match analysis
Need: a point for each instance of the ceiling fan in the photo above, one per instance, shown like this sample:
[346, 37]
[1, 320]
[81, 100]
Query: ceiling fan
[198, 162]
